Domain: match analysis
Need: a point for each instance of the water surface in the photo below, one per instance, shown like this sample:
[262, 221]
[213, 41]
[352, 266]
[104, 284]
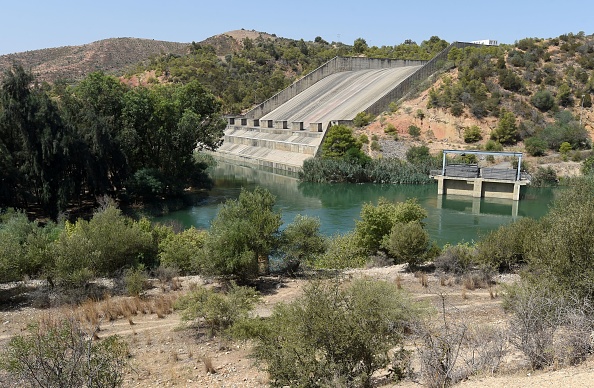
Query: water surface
[451, 219]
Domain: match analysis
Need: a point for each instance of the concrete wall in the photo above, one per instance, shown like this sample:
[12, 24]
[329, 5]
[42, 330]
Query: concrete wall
[415, 79]
[335, 65]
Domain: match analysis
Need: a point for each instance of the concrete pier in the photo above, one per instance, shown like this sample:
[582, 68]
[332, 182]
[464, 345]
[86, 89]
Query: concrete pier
[479, 187]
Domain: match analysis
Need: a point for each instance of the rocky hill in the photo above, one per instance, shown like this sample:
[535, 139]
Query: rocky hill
[73, 63]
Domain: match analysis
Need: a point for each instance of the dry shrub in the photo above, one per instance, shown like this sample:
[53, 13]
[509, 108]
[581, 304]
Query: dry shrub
[464, 293]
[399, 282]
[424, 280]
[89, 312]
[487, 345]
[443, 281]
[208, 367]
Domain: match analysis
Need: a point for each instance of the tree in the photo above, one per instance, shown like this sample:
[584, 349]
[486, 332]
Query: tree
[33, 146]
[376, 222]
[360, 45]
[242, 235]
[338, 141]
[564, 97]
[507, 130]
[408, 242]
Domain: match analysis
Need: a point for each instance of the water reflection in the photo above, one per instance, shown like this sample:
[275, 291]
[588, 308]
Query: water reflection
[451, 219]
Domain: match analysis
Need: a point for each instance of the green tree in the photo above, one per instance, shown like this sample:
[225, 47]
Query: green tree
[338, 141]
[33, 146]
[507, 130]
[376, 222]
[360, 45]
[408, 242]
[414, 131]
[242, 235]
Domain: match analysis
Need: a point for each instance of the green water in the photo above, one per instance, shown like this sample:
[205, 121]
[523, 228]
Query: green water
[451, 219]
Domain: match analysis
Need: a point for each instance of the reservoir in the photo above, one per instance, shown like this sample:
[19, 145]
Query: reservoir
[451, 219]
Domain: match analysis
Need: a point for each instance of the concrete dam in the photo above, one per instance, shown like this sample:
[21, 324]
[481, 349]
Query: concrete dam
[288, 128]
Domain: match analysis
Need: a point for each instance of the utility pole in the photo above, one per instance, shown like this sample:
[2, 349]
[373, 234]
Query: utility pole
[582, 109]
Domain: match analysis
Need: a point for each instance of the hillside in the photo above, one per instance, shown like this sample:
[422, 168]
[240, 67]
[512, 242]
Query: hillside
[73, 63]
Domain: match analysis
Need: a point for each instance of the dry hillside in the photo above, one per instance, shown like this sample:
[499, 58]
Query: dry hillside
[75, 62]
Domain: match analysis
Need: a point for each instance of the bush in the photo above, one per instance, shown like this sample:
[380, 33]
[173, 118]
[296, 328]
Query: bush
[414, 131]
[543, 100]
[135, 280]
[375, 146]
[544, 176]
[456, 259]
[535, 146]
[535, 316]
[183, 250]
[60, 353]
[506, 247]
[333, 335]
[218, 311]
[362, 119]
[343, 251]
[472, 134]
[301, 243]
[493, 145]
[102, 246]
[376, 222]
[363, 139]
[408, 243]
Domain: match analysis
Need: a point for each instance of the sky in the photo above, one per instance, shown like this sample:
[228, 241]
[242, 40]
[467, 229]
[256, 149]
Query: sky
[37, 24]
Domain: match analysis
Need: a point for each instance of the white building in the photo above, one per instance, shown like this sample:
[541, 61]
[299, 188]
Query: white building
[486, 42]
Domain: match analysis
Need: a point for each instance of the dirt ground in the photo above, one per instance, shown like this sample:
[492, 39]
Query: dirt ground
[166, 353]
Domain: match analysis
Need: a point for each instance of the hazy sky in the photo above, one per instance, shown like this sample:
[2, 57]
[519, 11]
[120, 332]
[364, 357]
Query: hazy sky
[30, 25]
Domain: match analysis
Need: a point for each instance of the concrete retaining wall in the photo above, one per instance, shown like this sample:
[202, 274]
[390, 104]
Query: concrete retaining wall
[335, 65]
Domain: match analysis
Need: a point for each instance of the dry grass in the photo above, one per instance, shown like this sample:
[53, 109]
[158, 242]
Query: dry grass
[208, 367]
[399, 282]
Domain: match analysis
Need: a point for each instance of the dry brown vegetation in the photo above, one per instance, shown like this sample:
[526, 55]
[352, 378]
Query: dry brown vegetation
[164, 352]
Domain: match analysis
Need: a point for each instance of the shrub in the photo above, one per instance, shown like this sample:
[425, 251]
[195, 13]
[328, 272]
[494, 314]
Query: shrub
[218, 311]
[376, 222]
[414, 131]
[343, 252]
[338, 141]
[535, 316]
[390, 129]
[543, 100]
[457, 109]
[135, 280]
[242, 235]
[375, 146]
[183, 250]
[408, 243]
[544, 176]
[363, 139]
[535, 146]
[493, 145]
[506, 247]
[60, 353]
[418, 154]
[472, 134]
[588, 165]
[362, 119]
[301, 243]
[333, 335]
[102, 246]
[456, 259]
